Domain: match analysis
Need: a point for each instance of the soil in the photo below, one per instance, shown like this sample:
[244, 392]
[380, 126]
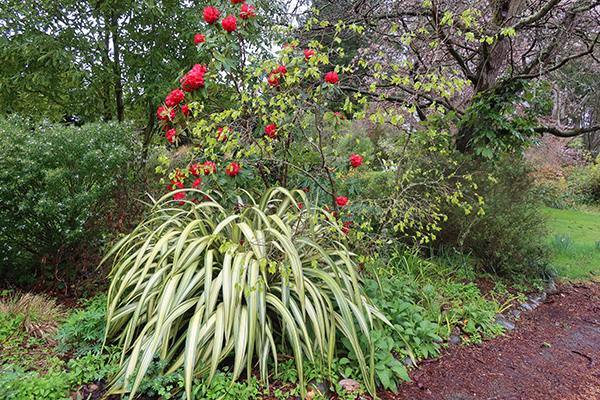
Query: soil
[553, 353]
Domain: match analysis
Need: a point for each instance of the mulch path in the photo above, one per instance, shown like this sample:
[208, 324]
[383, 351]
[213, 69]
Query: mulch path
[554, 353]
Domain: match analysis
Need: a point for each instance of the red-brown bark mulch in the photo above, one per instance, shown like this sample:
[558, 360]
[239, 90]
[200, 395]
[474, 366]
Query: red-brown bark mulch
[554, 353]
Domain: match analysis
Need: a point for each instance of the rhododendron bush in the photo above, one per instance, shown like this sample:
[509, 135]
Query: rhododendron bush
[261, 119]
[276, 110]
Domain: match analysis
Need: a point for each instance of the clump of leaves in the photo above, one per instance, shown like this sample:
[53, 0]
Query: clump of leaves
[35, 315]
[197, 284]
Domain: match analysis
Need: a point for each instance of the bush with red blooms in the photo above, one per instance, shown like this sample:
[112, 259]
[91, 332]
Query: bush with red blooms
[277, 104]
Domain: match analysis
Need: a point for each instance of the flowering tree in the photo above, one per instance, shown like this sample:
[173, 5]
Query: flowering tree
[253, 119]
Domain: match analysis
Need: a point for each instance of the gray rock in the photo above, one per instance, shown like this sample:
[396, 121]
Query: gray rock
[537, 300]
[409, 362]
[315, 388]
[502, 321]
[516, 313]
[349, 385]
[526, 307]
[454, 339]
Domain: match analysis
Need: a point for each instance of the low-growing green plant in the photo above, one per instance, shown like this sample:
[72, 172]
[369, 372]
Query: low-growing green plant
[562, 243]
[84, 330]
[197, 284]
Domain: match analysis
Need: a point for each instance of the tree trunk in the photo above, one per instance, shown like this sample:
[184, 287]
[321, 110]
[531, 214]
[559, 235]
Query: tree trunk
[117, 68]
[148, 131]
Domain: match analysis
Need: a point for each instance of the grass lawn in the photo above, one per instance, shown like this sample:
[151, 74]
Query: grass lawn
[572, 238]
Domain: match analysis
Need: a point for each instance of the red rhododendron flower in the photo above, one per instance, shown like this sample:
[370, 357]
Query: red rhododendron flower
[229, 23]
[211, 14]
[172, 134]
[176, 183]
[339, 114]
[180, 196]
[300, 206]
[195, 169]
[289, 45]
[355, 160]
[233, 169]
[308, 54]
[341, 201]
[194, 79]
[197, 182]
[332, 78]
[271, 131]
[175, 97]
[247, 12]
[346, 227]
[237, 1]
[209, 167]
[282, 69]
[222, 134]
[274, 79]
[185, 110]
[199, 38]
[165, 113]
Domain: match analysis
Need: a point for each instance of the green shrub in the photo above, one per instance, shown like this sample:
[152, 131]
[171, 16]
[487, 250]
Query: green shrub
[507, 238]
[198, 284]
[56, 184]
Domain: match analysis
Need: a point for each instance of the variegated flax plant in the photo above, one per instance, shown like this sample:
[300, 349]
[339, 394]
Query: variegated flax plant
[198, 283]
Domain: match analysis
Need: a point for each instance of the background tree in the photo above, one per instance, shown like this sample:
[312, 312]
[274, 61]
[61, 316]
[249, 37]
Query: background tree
[474, 61]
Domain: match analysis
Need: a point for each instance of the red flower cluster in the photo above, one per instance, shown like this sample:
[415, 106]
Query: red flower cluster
[180, 196]
[355, 160]
[247, 12]
[175, 97]
[237, 1]
[209, 167]
[211, 14]
[175, 184]
[199, 39]
[197, 182]
[340, 115]
[185, 110]
[289, 45]
[222, 134]
[271, 131]
[341, 201]
[194, 79]
[165, 113]
[195, 169]
[233, 169]
[172, 134]
[332, 78]
[274, 77]
[229, 23]
[308, 54]
[346, 227]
